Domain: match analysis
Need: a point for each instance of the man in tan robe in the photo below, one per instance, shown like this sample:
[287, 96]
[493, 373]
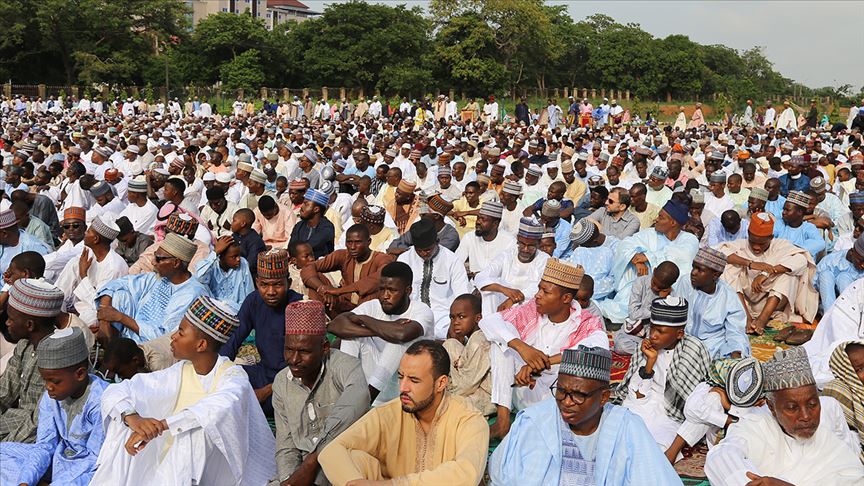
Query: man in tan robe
[424, 437]
[772, 276]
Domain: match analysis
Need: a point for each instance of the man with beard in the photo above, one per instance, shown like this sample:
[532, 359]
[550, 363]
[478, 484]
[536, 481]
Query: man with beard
[263, 311]
[646, 212]
[592, 441]
[378, 331]
[514, 273]
[317, 378]
[792, 439]
[74, 226]
[486, 242]
[313, 227]
[452, 433]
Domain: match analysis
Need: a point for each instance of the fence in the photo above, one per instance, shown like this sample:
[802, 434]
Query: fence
[224, 97]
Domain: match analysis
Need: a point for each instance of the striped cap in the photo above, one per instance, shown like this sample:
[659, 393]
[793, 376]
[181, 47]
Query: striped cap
[297, 184]
[178, 246]
[108, 230]
[711, 258]
[273, 264]
[317, 197]
[7, 219]
[215, 318]
[445, 170]
[35, 297]
[305, 318]
[139, 184]
[582, 231]
[818, 184]
[62, 349]
[258, 176]
[856, 198]
[759, 193]
[530, 228]
[669, 311]
[512, 188]
[245, 167]
[533, 170]
[717, 177]
[437, 203]
[406, 187]
[493, 209]
[182, 224]
[594, 363]
[563, 274]
[101, 188]
[799, 198]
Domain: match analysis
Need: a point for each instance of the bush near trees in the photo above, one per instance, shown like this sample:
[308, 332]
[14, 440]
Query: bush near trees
[476, 47]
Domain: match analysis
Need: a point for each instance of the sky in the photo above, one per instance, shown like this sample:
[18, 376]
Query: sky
[817, 43]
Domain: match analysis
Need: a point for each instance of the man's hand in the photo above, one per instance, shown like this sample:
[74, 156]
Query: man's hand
[505, 305]
[263, 393]
[147, 428]
[664, 293]
[761, 267]
[756, 326]
[536, 359]
[758, 282]
[135, 444]
[524, 378]
[84, 262]
[223, 243]
[649, 352]
[304, 475]
[108, 313]
[514, 295]
[724, 399]
[765, 481]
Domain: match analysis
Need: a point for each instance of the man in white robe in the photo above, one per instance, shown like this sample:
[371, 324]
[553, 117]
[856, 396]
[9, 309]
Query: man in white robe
[512, 276]
[487, 241]
[197, 422]
[787, 119]
[801, 438]
[843, 321]
[770, 113]
[140, 210]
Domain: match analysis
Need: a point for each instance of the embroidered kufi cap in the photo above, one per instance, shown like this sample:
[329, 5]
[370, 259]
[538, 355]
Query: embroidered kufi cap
[216, 318]
[62, 349]
[593, 363]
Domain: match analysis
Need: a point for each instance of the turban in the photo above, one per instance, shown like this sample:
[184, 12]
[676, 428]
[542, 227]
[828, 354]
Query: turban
[761, 224]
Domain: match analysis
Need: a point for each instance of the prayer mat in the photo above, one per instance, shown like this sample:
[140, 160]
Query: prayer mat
[692, 466]
[620, 363]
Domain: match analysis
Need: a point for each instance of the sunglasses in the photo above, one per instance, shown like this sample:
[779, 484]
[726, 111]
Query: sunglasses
[160, 259]
[73, 225]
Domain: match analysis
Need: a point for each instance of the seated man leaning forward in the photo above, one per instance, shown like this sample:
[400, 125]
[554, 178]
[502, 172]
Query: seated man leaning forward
[578, 437]
[527, 340]
[425, 437]
[800, 439]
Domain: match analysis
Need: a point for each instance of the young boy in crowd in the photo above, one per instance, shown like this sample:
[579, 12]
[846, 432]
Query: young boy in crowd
[585, 297]
[657, 284]
[664, 371]
[192, 423]
[470, 373]
[300, 254]
[70, 432]
[251, 243]
[226, 273]
[124, 359]
[28, 264]
[547, 242]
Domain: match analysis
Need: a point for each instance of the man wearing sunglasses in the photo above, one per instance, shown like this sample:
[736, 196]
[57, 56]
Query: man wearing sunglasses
[74, 227]
[577, 437]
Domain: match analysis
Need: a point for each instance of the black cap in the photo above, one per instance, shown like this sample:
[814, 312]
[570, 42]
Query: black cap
[125, 226]
[423, 234]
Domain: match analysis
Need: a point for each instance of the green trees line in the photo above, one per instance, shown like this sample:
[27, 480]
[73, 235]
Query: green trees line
[476, 47]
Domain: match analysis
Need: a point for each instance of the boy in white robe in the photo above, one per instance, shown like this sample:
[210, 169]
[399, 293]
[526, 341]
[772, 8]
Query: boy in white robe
[197, 422]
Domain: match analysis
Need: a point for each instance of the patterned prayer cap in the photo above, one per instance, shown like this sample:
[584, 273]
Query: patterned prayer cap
[818, 184]
[493, 209]
[582, 231]
[530, 228]
[593, 363]
[858, 246]
[483, 180]
[273, 263]
[108, 230]
[138, 184]
[669, 311]
[761, 224]
[305, 318]
[515, 189]
[216, 318]
[182, 224]
[62, 349]
[697, 196]
[798, 198]
[567, 165]
[35, 297]
[440, 205]
[788, 368]
[372, 214]
[534, 171]
[677, 211]
[101, 188]
[445, 170]
[74, 212]
[745, 382]
[317, 197]
[406, 186]
[8, 219]
[563, 274]
[245, 167]
[659, 173]
[717, 177]
[759, 193]
[595, 181]
[551, 208]
[798, 160]
[856, 198]
[711, 258]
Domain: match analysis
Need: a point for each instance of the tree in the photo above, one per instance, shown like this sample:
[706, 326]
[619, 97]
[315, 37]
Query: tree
[243, 71]
[464, 56]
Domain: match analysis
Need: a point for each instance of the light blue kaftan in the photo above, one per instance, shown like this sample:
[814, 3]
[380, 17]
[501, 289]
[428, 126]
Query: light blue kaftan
[626, 453]
[26, 242]
[717, 319]
[67, 445]
[232, 286]
[833, 274]
[806, 236]
[154, 302]
[597, 263]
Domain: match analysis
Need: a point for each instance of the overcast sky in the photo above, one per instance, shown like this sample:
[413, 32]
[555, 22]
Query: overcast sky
[818, 43]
